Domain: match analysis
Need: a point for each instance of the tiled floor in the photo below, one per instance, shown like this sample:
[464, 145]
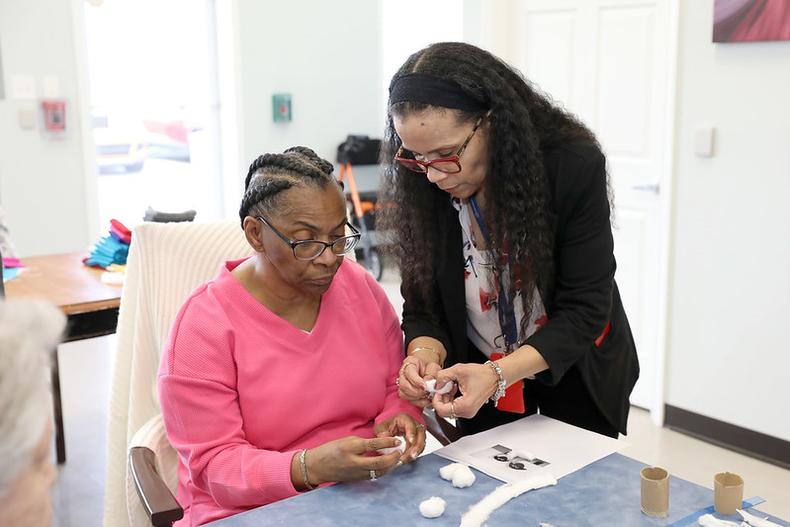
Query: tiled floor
[85, 372]
[85, 386]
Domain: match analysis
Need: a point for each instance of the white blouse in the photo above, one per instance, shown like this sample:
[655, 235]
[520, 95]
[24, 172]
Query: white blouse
[482, 294]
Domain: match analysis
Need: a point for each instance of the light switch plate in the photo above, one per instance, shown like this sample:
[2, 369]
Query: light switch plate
[23, 87]
[27, 117]
[703, 146]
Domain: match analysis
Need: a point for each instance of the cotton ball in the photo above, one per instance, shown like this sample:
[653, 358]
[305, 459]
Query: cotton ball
[400, 448]
[523, 454]
[463, 477]
[433, 507]
[430, 386]
[447, 471]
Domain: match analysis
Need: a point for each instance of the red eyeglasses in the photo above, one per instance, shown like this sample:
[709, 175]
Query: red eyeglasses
[448, 165]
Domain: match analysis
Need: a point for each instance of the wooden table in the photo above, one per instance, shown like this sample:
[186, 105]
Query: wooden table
[90, 305]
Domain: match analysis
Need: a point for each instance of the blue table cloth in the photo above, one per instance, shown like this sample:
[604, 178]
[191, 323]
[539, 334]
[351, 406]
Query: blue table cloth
[605, 493]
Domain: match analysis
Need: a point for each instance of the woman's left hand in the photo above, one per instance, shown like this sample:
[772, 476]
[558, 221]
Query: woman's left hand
[476, 382]
[408, 427]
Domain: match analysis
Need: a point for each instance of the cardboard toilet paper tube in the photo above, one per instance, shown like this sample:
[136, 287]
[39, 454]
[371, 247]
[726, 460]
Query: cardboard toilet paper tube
[727, 492]
[655, 492]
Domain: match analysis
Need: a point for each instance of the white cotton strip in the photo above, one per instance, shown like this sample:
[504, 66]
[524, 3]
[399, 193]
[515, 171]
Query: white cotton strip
[430, 386]
[389, 450]
[754, 521]
[480, 511]
[709, 520]
[433, 507]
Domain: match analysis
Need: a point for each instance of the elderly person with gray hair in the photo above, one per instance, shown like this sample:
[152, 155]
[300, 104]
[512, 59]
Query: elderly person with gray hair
[29, 331]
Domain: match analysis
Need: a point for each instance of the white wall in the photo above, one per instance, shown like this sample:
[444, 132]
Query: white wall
[729, 316]
[491, 24]
[327, 55]
[401, 37]
[43, 183]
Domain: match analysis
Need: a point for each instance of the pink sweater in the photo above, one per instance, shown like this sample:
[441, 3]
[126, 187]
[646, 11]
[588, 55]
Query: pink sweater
[242, 390]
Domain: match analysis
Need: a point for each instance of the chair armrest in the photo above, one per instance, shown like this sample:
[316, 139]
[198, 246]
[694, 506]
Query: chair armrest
[157, 500]
[440, 428]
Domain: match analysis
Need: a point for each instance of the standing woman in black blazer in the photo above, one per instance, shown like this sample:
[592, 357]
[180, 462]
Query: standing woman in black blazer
[499, 205]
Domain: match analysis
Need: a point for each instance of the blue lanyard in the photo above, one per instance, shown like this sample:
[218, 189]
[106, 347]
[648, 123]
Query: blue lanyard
[507, 316]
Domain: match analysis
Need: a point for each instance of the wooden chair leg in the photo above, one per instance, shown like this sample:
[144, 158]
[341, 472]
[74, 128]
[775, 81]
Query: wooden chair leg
[60, 434]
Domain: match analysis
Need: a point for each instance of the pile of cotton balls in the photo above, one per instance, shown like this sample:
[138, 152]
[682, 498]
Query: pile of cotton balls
[461, 477]
[459, 474]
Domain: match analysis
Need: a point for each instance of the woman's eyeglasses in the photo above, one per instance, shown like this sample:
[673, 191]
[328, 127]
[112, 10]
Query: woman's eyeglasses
[448, 165]
[312, 249]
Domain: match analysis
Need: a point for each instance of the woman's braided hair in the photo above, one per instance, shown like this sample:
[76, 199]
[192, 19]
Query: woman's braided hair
[270, 174]
[523, 124]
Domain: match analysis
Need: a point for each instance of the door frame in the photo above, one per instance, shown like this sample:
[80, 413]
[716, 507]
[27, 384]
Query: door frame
[657, 414]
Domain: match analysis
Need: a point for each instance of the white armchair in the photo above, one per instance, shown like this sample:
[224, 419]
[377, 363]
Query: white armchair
[166, 263]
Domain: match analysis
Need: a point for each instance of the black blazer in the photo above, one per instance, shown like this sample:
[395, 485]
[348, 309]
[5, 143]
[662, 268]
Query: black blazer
[583, 300]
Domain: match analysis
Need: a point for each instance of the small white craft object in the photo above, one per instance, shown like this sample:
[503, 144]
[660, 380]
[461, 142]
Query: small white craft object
[433, 507]
[114, 278]
[461, 475]
[480, 511]
[523, 454]
[430, 386]
[389, 450]
[709, 520]
[447, 471]
[754, 521]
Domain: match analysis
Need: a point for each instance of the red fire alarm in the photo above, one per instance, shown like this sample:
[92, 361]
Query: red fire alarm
[54, 115]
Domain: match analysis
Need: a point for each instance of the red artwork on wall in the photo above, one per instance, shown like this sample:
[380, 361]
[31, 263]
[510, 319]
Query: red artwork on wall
[751, 20]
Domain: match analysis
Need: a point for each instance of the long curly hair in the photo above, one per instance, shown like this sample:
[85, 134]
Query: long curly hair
[522, 124]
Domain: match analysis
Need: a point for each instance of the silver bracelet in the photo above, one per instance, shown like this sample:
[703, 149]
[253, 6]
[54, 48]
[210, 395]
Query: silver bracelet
[500, 384]
[303, 466]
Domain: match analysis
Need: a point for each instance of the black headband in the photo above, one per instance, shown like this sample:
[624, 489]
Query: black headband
[427, 89]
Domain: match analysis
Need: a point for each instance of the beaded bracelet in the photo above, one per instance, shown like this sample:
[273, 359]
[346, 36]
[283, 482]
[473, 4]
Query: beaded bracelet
[303, 466]
[500, 384]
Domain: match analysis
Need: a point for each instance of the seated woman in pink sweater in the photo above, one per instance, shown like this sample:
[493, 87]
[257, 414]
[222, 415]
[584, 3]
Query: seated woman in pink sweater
[279, 374]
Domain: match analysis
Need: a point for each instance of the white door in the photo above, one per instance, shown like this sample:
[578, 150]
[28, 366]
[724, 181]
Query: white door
[609, 63]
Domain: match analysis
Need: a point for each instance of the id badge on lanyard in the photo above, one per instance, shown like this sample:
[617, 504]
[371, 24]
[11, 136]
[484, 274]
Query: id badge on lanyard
[513, 400]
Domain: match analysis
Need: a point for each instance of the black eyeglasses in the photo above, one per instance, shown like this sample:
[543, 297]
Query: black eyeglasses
[312, 249]
[448, 165]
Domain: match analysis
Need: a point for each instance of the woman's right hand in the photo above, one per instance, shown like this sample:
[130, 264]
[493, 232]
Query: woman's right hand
[411, 379]
[345, 459]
